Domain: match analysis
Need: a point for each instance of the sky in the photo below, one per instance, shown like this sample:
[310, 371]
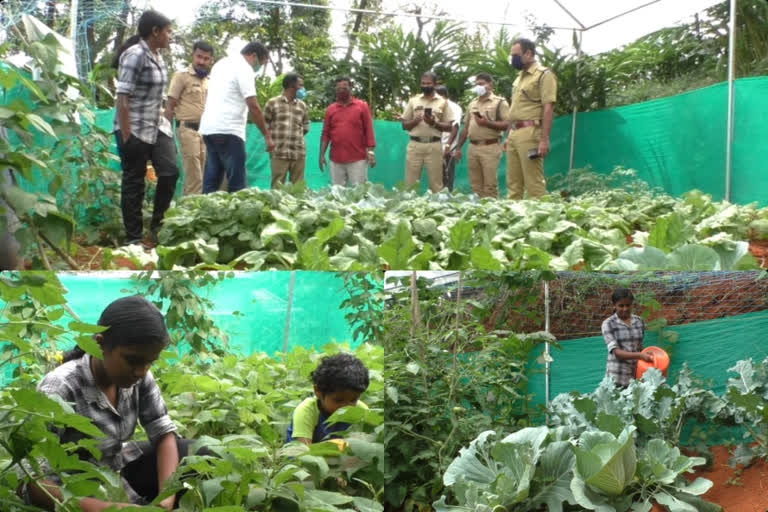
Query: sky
[623, 30]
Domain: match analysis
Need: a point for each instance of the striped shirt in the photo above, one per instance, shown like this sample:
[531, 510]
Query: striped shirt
[143, 77]
[288, 121]
[74, 382]
[618, 335]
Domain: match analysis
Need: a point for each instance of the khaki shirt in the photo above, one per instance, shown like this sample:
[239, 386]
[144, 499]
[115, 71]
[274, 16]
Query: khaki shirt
[190, 92]
[441, 111]
[532, 89]
[493, 108]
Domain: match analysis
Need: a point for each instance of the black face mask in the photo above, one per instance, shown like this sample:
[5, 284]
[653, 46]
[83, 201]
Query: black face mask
[427, 90]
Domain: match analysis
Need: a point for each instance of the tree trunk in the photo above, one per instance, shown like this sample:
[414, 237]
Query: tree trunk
[355, 29]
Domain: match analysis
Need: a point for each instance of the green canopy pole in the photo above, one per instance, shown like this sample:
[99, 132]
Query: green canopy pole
[291, 287]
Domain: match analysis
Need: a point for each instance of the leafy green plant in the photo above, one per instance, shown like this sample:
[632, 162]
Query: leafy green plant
[447, 376]
[746, 395]
[368, 228]
[186, 311]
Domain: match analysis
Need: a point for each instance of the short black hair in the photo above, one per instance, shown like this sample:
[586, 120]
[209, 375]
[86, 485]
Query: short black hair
[526, 45]
[430, 74]
[255, 47]
[290, 80]
[484, 76]
[442, 91]
[202, 46]
[340, 372]
[622, 293]
[344, 79]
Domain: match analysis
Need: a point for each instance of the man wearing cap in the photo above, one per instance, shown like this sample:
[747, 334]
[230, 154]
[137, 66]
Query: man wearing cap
[186, 99]
[426, 117]
[534, 93]
[483, 126]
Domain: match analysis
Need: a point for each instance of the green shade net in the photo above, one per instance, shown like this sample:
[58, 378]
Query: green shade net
[676, 143]
[251, 308]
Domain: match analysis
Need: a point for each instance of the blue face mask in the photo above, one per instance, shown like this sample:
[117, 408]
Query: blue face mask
[301, 93]
[201, 72]
[517, 61]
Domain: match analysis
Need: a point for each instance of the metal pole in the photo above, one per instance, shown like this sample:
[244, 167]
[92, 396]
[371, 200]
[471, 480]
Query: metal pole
[288, 313]
[575, 107]
[731, 99]
[546, 344]
[73, 7]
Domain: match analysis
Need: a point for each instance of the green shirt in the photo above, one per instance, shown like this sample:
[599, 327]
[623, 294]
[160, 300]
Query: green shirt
[306, 417]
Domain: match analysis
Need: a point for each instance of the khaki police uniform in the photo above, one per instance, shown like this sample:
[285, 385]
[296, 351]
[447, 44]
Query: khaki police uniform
[484, 152]
[190, 92]
[532, 89]
[425, 147]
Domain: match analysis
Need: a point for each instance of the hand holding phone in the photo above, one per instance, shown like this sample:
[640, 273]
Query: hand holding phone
[533, 154]
[427, 112]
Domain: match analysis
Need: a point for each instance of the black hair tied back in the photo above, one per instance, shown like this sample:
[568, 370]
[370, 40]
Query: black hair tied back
[131, 321]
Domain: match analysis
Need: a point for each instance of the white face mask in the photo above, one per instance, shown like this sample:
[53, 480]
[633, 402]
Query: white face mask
[479, 90]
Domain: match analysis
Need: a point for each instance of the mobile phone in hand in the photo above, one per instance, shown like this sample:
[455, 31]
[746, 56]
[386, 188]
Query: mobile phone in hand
[427, 112]
[533, 154]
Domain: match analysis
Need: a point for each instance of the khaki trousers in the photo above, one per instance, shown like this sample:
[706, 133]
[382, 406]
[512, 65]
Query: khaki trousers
[420, 154]
[281, 168]
[524, 174]
[192, 159]
[483, 163]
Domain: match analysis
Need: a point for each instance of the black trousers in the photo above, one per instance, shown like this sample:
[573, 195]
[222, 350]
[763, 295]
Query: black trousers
[449, 171]
[134, 155]
[142, 472]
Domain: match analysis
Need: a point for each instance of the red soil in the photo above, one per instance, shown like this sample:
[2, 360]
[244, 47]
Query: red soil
[736, 490]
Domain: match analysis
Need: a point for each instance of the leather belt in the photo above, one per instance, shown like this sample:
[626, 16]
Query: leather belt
[188, 124]
[426, 139]
[522, 124]
[486, 142]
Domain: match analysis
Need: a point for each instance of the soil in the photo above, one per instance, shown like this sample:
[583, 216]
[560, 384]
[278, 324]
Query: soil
[736, 490]
[759, 249]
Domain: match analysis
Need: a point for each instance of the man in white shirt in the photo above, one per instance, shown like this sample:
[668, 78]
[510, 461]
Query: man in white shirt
[449, 140]
[231, 96]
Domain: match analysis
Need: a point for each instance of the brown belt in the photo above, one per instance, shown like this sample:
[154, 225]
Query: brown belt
[486, 142]
[522, 124]
[426, 139]
[188, 124]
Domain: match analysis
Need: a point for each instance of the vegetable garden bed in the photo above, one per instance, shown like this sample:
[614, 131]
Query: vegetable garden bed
[371, 228]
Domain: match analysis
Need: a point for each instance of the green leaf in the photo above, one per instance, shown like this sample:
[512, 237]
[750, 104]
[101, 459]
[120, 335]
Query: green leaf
[670, 231]
[86, 328]
[397, 250]
[482, 259]
[693, 257]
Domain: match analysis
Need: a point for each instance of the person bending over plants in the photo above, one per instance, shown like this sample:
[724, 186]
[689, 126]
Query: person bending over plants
[339, 380]
[623, 333]
[115, 392]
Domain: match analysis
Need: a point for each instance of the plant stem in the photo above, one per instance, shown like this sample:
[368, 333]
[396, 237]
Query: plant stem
[72, 263]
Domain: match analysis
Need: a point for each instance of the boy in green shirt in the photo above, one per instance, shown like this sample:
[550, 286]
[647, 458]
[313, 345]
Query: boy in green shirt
[339, 380]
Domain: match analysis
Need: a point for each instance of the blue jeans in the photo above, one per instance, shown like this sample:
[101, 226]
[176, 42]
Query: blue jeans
[226, 157]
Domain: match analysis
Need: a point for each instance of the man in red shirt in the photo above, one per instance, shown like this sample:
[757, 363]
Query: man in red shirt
[349, 130]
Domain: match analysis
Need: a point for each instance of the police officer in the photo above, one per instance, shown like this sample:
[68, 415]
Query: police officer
[186, 99]
[483, 125]
[530, 122]
[425, 118]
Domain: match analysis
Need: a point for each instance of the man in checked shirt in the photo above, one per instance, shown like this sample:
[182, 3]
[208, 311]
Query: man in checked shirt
[623, 333]
[287, 119]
